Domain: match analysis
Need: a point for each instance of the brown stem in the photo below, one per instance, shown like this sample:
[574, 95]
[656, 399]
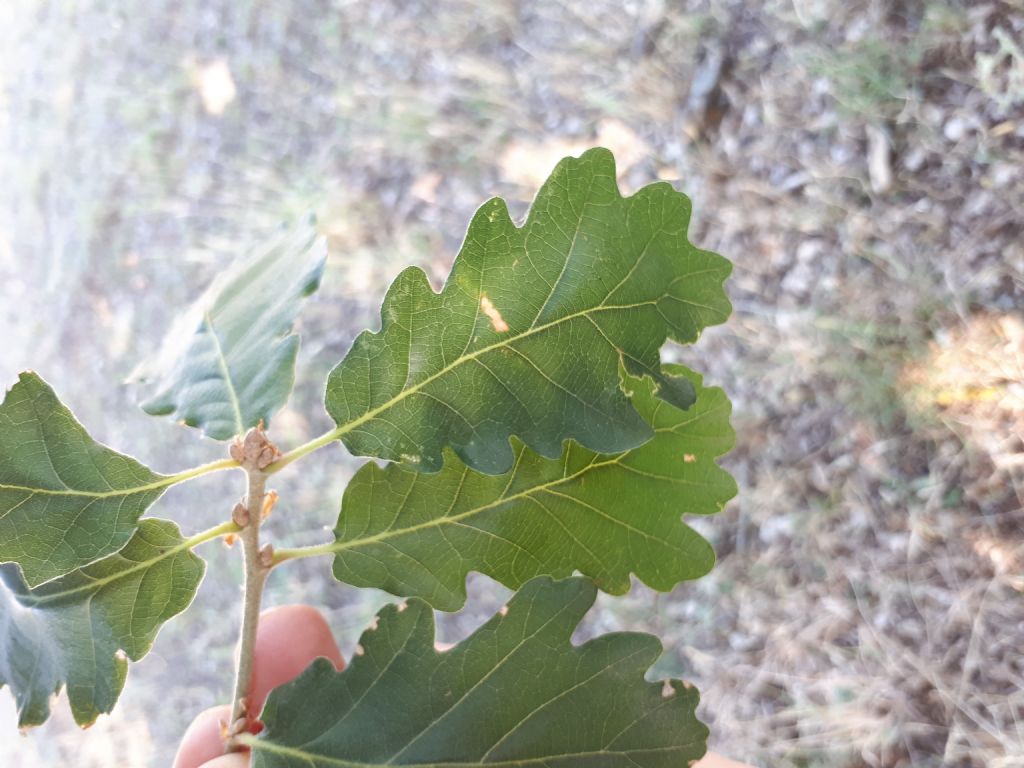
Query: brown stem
[256, 570]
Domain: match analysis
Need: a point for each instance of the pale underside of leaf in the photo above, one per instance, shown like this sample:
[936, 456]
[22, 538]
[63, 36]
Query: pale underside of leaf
[516, 692]
[606, 516]
[229, 362]
[530, 330]
[65, 500]
[77, 631]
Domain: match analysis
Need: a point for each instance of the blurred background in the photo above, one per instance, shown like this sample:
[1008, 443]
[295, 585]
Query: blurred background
[859, 160]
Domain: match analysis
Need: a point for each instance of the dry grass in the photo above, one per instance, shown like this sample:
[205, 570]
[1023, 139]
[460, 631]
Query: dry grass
[861, 162]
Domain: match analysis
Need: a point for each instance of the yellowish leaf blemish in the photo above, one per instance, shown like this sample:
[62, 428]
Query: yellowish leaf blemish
[689, 458]
[497, 321]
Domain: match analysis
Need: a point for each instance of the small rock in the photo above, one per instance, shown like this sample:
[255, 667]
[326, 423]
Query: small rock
[777, 529]
[809, 250]
[1003, 174]
[955, 128]
[799, 279]
[879, 164]
[914, 160]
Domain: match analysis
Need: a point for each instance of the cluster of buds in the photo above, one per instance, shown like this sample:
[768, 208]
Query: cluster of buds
[240, 516]
[254, 451]
[240, 513]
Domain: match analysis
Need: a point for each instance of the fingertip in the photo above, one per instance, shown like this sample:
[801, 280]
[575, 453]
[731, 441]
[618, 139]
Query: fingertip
[202, 740]
[288, 639]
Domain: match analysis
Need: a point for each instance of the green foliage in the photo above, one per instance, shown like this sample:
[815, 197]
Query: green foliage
[70, 631]
[229, 362]
[516, 692]
[533, 433]
[604, 515]
[530, 330]
[65, 500]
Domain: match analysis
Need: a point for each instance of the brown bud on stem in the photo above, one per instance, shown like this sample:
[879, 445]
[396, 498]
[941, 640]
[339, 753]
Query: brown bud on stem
[267, 555]
[240, 515]
[254, 451]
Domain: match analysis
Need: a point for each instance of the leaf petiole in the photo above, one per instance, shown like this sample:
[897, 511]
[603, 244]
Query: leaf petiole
[297, 453]
[209, 534]
[204, 469]
[297, 553]
[94, 583]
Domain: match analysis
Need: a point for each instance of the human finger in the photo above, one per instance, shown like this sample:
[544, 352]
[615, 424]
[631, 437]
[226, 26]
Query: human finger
[287, 640]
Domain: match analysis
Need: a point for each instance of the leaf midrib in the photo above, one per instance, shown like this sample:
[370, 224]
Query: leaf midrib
[314, 758]
[347, 427]
[617, 460]
[559, 695]
[226, 373]
[476, 685]
[450, 519]
[36, 601]
[163, 482]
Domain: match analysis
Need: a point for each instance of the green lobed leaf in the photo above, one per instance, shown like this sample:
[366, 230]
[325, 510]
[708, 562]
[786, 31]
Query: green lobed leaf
[515, 693]
[605, 515]
[65, 500]
[77, 630]
[229, 362]
[529, 332]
